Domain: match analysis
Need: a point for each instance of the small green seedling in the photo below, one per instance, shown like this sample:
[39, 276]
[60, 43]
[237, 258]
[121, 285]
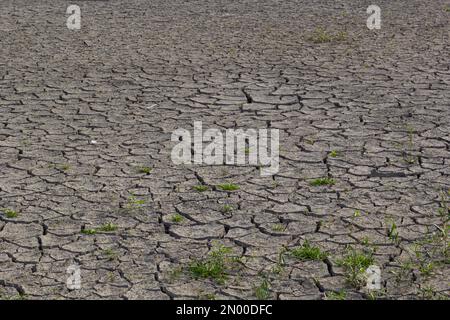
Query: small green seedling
[226, 208]
[177, 218]
[145, 170]
[10, 214]
[393, 232]
[333, 154]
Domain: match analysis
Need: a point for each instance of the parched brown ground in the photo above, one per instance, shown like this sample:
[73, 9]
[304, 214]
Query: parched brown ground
[369, 109]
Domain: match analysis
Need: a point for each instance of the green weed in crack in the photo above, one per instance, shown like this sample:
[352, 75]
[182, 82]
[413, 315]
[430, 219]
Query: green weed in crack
[110, 254]
[339, 295]
[144, 170]
[177, 218]
[308, 252]
[322, 182]
[262, 292]
[216, 265]
[333, 154]
[89, 231]
[393, 233]
[226, 208]
[107, 227]
[279, 227]
[10, 213]
[279, 266]
[426, 269]
[432, 252]
[355, 264]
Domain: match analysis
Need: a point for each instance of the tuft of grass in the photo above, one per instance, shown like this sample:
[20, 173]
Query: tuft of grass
[200, 188]
[355, 264]
[323, 182]
[177, 218]
[262, 292]
[10, 214]
[447, 8]
[145, 170]
[308, 252]
[426, 269]
[340, 295]
[228, 187]
[216, 265]
[108, 227]
[279, 227]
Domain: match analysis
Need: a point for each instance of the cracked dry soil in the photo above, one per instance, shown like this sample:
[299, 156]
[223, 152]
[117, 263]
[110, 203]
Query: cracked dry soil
[85, 170]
